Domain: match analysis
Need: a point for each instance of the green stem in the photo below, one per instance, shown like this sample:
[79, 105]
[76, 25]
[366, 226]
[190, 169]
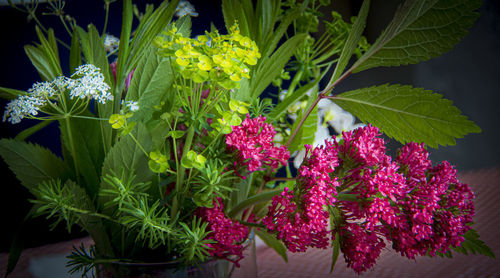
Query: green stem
[139, 144]
[73, 148]
[181, 171]
[106, 17]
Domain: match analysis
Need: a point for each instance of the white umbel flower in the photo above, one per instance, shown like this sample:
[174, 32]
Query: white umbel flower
[90, 85]
[28, 104]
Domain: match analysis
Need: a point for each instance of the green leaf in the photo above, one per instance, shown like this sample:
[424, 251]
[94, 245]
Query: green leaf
[94, 53]
[270, 68]
[150, 85]
[351, 42]
[149, 27]
[7, 93]
[31, 163]
[126, 157]
[123, 48]
[420, 30]
[44, 56]
[408, 114]
[88, 152]
[255, 199]
[75, 52]
[474, 245]
[335, 250]
[30, 131]
[272, 242]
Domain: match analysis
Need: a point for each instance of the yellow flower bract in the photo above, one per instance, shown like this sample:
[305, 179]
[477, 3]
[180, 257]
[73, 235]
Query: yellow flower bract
[224, 59]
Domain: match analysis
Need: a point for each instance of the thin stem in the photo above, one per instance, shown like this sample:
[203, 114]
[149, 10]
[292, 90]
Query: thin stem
[106, 17]
[181, 169]
[138, 144]
[311, 108]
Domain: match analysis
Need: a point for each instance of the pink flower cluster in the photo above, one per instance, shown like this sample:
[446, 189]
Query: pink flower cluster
[252, 141]
[306, 225]
[227, 234]
[420, 208]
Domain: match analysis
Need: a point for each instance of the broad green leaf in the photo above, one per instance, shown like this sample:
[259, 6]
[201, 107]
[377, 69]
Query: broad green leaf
[32, 163]
[29, 131]
[151, 85]
[272, 242]
[474, 245]
[44, 56]
[75, 53]
[7, 93]
[420, 30]
[408, 114]
[127, 157]
[270, 68]
[94, 53]
[351, 42]
[282, 107]
[149, 27]
[86, 151]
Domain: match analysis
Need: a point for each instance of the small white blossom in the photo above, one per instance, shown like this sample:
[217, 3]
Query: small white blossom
[185, 8]
[28, 104]
[131, 105]
[90, 85]
[111, 43]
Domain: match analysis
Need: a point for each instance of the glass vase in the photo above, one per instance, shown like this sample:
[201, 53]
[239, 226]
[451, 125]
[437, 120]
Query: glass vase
[210, 269]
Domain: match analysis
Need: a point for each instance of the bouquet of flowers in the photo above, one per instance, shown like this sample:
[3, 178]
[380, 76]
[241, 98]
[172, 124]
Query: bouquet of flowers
[175, 147]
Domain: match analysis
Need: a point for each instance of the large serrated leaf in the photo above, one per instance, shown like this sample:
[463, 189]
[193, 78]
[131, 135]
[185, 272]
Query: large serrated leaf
[150, 85]
[420, 30]
[126, 157]
[32, 163]
[408, 114]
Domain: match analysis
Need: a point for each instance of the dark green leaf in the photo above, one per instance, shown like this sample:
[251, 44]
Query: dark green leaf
[351, 42]
[151, 85]
[272, 242]
[123, 48]
[44, 56]
[255, 199]
[88, 150]
[308, 130]
[31, 163]
[408, 114]
[420, 30]
[75, 53]
[270, 68]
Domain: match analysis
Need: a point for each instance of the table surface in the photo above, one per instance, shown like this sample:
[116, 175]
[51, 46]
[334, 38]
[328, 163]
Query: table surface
[316, 263]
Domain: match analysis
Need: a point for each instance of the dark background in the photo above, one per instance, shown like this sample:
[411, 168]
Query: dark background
[469, 75]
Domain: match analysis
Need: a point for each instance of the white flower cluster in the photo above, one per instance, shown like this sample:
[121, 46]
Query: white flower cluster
[28, 104]
[90, 84]
[111, 43]
[185, 8]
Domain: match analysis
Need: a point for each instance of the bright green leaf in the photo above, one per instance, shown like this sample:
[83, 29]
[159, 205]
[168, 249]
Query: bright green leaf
[408, 114]
[420, 30]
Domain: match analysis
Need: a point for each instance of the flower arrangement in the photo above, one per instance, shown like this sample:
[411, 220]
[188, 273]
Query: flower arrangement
[171, 151]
